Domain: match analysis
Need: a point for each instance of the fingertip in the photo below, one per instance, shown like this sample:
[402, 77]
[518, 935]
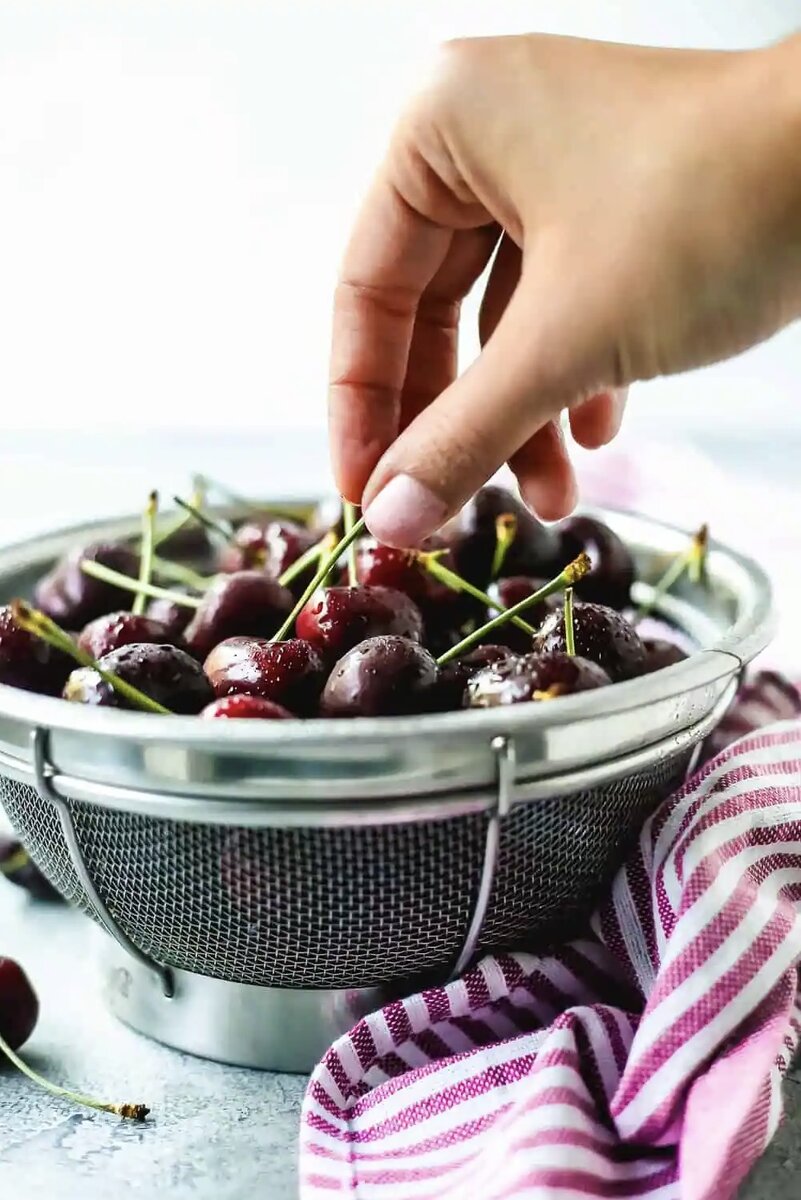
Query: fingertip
[597, 420]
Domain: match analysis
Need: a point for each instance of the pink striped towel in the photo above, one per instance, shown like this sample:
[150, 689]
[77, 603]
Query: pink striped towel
[642, 1060]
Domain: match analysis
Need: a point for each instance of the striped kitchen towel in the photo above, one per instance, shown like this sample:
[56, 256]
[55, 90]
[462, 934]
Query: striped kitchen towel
[642, 1060]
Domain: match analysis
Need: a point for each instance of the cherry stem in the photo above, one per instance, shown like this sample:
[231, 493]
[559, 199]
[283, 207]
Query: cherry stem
[179, 573]
[505, 534]
[692, 560]
[180, 521]
[572, 573]
[131, 1112]
[348, 521]
[107, 575]
[222, 530]
[312, 555]
[430, 560]
[207, 484]
[570, 632]
[327, 565]
[146, 552]
[40, 626]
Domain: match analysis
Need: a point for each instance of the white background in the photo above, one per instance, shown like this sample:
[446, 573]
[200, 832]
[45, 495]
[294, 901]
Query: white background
[176, 183]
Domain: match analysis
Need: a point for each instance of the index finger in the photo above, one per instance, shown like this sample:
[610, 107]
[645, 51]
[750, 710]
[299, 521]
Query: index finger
[393, 254]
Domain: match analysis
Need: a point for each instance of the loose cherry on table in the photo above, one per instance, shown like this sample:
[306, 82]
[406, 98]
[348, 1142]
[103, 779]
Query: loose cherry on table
[291, 674]
[18, 868]
[602, 635]
[242, 706]
[453, 678]
[19, 1007]
[108, 633]
[246, 604]
[473, 536]
[165, 674]
[337, 618]
[510, 591]
[27, 662]
[534, 677]
[613, 570]
[382, 676]
[660, 653]
[72, 598]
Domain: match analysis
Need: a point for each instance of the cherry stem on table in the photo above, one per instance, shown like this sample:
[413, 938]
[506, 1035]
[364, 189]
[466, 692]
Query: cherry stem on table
[41, 626]
[430, 560]
[574, 571]
[692, 560]
[570, 632]
[323, 571]
[505, 534]
[348, 521]
[131, 1112]
[146, 552]
[108, 575]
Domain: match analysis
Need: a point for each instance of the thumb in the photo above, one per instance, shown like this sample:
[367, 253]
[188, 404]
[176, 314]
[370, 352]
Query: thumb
[519, 383]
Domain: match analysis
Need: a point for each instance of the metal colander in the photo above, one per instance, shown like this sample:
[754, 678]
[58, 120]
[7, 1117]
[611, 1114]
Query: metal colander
[267, 882]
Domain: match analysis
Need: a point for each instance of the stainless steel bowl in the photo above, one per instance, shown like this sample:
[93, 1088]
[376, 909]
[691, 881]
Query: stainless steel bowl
[260, 878]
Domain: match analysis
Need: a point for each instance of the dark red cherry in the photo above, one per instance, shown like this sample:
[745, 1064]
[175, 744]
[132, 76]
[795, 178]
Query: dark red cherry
[289, 673]
[660, 653]
[108, 633]
[268, 545]
[509, 592]
[18, 867]
[245, 604]
[164, 673]
[174, 618]
[602, 635]
[473, 537]
[242, 706]
[453, 678]
[338, 618]
[72, 598]
[19, 1008]
[383, 676]
[534, 677]
[612, 573]
[190, 543]
[27, 662]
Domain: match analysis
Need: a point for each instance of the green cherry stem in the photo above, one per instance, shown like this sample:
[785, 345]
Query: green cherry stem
[692, 560]
[699, 552]
[223, 530]
[430, 560]
[505, 534]
[262, 508]
[574, 571]
[132, 1112]
[312, 555]
[327, 565]
[146, 552]
[348, 521]
[179, 573]
[570, 632]
[36, 623]
[180, 521]
[98, 571]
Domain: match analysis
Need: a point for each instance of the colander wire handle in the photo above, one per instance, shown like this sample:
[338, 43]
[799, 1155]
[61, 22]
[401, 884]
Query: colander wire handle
[44, 786]
[504, 750]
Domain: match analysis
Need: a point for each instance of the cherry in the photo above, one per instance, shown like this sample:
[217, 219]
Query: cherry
[108, 633]
[512, 590]
[241, 706]
[270, 545]
[173, 618]
[73, 598]
[382, 676]
[534, 677]
[602, 635]
[444, 610]
[290, 674]
[27, 662]
[19, 868]
[190, 542]
[247, 603]
[19, 1008]
[454, 677]
[473, 536]
[660, 653]
[166, 674]
[337, 618]
[612, 573]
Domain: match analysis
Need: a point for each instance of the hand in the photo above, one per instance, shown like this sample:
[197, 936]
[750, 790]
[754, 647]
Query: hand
[644, 211]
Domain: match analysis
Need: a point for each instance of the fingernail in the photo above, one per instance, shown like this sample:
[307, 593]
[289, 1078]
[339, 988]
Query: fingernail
[404, 512]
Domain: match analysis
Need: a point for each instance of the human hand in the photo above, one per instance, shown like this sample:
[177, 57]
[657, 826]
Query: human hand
[644, 207]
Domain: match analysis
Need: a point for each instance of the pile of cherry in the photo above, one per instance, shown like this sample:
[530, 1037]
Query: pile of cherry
[275, 619]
